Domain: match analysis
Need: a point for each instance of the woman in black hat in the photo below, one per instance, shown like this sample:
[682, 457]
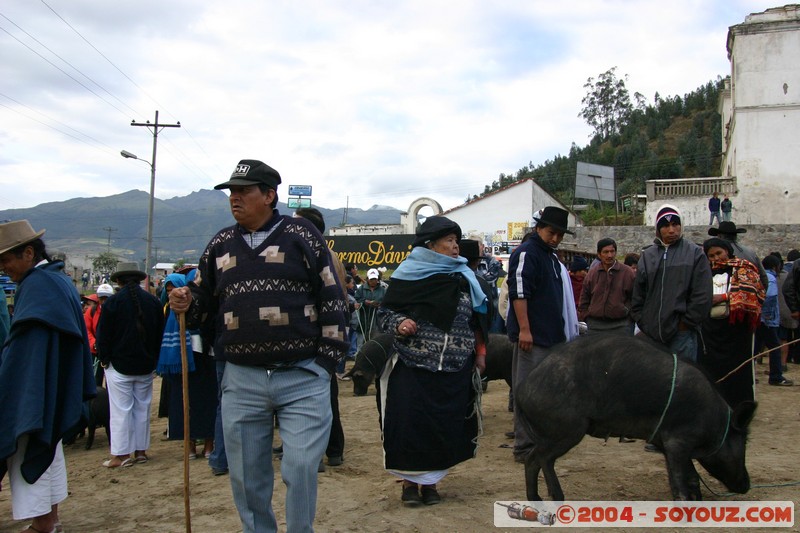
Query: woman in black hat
[128, 342]
[726, 335]
[428, 388]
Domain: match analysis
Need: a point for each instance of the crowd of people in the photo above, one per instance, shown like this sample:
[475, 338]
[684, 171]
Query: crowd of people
[272, 316]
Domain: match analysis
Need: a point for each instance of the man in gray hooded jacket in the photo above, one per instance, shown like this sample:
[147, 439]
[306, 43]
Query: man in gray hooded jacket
[672, 290]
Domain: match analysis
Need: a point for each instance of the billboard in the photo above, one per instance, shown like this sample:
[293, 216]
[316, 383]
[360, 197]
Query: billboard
[371, 251]
[595, 182]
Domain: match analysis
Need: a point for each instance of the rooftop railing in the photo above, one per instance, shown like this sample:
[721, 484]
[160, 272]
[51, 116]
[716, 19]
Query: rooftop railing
[663, 189]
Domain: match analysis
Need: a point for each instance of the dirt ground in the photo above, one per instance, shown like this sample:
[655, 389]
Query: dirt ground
[360, 496]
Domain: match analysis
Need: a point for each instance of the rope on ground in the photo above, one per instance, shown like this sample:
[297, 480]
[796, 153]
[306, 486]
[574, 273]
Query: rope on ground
[765, 486]
[726, 376]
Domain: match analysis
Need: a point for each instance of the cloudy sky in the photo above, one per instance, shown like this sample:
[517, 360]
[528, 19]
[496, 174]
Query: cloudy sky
[378, 101]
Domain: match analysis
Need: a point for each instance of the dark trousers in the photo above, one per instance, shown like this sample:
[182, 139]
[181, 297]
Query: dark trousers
[218, 460]
[336, 440]
[99, 372]
[767, 338]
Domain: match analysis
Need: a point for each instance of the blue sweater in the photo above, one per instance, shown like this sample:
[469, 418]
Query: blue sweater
[273, 304]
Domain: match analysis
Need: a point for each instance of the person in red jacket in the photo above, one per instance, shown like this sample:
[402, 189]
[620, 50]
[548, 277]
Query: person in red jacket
[92, 318]
[578, 269]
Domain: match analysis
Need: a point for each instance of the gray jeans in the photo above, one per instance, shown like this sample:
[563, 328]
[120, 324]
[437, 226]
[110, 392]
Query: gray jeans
[522, 364]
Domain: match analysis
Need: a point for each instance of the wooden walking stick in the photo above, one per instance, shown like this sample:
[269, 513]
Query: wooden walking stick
[185, 381]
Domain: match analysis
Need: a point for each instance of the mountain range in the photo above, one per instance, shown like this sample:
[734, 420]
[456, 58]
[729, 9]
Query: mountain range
[82, 228]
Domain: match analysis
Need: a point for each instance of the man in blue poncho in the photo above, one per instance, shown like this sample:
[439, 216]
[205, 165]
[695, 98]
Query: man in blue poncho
[45, 376]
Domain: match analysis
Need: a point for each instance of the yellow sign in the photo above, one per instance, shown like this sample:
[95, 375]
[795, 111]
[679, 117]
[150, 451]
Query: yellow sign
[517, 230]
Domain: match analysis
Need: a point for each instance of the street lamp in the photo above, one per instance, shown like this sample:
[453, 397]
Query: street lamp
[126, 154]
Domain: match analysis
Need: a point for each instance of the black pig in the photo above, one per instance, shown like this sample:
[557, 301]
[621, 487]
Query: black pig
[613, 386]
[499, 353]
[98, 416]
[369, 362]
[374, 353]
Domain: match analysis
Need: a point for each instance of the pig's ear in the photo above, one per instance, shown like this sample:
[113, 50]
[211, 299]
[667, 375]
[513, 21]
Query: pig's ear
[743, 414]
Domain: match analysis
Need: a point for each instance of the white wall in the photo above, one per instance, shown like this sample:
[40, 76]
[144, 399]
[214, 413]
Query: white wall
[694, 211]
[763, 149]
[491, 214]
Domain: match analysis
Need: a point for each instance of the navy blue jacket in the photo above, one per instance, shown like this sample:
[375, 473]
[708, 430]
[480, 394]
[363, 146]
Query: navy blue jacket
[534, 274]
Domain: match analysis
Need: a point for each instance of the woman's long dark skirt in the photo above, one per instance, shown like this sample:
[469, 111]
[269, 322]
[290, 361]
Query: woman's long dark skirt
[724, 347]
[202, 400]
[429, 423]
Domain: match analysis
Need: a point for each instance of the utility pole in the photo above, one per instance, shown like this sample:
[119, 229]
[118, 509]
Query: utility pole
[109, 230]
[154, 128]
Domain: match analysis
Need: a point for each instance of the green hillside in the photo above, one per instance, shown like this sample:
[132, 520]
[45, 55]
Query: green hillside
[675, 137]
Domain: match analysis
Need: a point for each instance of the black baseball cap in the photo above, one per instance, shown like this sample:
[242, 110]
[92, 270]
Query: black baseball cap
[252, 172]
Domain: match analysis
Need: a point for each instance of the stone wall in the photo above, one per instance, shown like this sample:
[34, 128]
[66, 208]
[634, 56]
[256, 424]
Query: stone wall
[763, 239]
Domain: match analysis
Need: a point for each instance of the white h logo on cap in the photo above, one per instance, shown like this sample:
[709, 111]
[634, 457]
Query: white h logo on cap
[241, 170]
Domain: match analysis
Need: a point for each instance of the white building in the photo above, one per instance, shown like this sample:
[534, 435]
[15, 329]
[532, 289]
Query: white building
[407, 226]
[761, 117]
[504, 214]
[500, 216]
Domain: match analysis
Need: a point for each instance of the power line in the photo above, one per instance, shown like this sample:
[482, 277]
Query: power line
[76, 69]
[131, 80]
[67, 74]
[109, 230]
[154, 129]
[99, 52]
[54, 120]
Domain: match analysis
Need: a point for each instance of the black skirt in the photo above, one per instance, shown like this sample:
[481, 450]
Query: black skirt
[724, 347]
[202, 400]
[429, 420]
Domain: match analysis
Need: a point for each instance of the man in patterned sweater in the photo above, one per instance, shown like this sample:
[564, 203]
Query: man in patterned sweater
[268, 284]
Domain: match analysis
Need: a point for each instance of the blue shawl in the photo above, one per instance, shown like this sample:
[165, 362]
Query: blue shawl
[45, 370]
[169, 358]
[423, 262]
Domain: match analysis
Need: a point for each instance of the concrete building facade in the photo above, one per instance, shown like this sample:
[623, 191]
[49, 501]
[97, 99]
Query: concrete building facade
[503, 215]
[761, 116]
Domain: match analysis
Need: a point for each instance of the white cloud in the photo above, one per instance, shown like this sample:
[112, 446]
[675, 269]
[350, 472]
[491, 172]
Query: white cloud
[381, 102]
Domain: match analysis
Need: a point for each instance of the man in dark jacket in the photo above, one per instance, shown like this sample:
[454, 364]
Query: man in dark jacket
[714, 207]
[537, 314]
[45, 376]
[672, 290]
[269, 285]
[369, 296]
[129, 338]
[791, 288]
[727, 207]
